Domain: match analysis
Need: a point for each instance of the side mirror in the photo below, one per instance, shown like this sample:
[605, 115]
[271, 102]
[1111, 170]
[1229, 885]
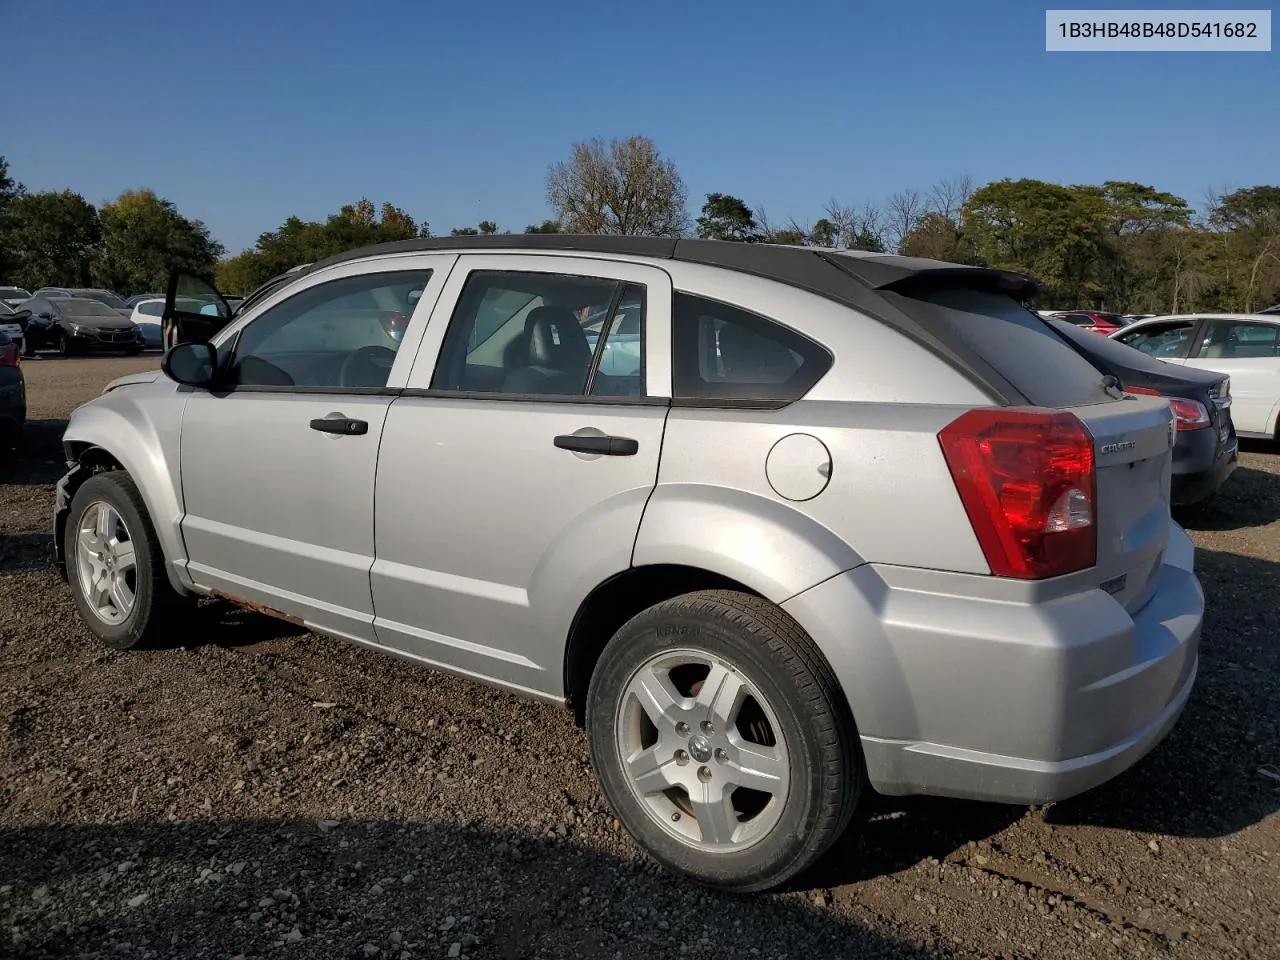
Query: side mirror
[193, 363]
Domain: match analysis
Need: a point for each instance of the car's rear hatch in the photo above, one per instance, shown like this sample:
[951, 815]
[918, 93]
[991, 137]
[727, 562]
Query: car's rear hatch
[1133, 437]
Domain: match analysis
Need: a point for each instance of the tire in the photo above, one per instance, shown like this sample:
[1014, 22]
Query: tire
[770, 832]
[64, 345]
[154, 600]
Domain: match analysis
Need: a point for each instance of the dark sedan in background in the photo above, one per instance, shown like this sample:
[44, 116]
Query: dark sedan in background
[13, 394]
[1206, 450]
[75, 325]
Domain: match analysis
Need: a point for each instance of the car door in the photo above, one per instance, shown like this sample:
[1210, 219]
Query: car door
[1248, 351]
[515, 468]
[278, 461]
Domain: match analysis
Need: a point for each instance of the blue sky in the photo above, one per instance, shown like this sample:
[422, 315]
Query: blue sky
[243, 113]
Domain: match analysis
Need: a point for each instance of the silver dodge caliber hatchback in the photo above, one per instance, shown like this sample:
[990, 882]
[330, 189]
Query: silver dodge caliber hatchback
[780, 524]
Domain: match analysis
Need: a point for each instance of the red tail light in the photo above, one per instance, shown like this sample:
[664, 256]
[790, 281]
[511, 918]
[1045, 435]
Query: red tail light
[9, 355]
[1191, 414]
[1026, 479]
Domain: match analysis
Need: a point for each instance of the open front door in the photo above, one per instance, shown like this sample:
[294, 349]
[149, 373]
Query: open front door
[193, 310]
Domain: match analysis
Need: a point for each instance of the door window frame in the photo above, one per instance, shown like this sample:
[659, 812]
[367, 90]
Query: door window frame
[656, 332]
[440, 265]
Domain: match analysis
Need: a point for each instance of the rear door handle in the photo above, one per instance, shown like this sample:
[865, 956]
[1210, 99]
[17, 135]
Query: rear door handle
[342, 425]
[608, 446]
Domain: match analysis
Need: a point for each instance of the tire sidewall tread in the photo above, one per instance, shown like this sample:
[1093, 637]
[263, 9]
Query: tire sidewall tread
[779, 657]
[154, 595]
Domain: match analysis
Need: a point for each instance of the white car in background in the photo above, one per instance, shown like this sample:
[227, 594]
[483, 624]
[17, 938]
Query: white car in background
[9, 325]
[12, 296]
[146, 317]
[1244, 346]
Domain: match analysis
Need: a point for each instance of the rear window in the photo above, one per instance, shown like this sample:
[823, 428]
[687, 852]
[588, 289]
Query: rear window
[1021, 346]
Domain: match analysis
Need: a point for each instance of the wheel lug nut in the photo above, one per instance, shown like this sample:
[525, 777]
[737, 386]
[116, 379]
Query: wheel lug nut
[721, 756]
[704, 774]
[682, 757]
[708, 727]
[682, 729]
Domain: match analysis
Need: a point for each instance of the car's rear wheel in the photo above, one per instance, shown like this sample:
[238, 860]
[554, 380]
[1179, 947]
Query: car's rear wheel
[115, 565]
[722, 741]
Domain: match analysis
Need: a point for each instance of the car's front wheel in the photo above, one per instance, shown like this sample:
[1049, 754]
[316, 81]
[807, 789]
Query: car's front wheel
[115, 565]
[64, 344]
[722, 741]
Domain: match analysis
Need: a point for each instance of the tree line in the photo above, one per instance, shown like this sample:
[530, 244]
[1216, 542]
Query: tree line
[1120, 245]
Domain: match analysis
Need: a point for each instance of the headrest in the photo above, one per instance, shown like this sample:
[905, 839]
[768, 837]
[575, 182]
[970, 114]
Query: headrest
[556, 339]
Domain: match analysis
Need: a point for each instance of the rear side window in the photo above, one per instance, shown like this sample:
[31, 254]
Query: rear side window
[1232, 340]
[723, 353]
[1021, 346]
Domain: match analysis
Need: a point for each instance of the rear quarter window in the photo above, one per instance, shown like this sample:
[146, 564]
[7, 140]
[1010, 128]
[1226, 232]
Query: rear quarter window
[1020, 346]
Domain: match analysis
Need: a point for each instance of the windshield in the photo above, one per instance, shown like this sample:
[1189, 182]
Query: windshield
[86, 308]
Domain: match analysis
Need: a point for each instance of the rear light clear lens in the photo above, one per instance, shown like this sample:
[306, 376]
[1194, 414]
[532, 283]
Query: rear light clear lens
[1026, 479]
[1190, 414]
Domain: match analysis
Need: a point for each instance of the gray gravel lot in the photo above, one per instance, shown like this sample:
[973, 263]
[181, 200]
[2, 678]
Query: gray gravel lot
[260, 792]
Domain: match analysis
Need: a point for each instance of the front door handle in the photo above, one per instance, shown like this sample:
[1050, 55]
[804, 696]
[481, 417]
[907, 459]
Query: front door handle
[342, 425]
[608, 446]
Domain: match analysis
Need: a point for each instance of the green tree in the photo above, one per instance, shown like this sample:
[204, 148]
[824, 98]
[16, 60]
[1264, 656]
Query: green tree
[50, 239]
[464, 232]
[546, 226]
[935, 237]
[240, 275]
[1247, 222]
[726, 217]
[144, 237]
[1054, 233]
[824, 233]
[10, 190]
[624, 187]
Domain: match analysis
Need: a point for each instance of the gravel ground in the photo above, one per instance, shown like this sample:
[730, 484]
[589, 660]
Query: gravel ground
[259, 792]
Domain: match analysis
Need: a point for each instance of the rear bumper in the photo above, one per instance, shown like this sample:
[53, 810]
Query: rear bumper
[1201, 464]
[962, 689]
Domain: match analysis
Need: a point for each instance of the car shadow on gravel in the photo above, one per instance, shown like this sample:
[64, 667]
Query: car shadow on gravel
[38, 457]
[892, 834]
[24, 552]
[1204, 780]
[379, 888]
[1249, 498]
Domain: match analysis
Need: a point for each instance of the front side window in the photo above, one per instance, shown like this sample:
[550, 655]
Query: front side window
[725, 353]
[522, 333]
[343, 334]
[1234, 340]
[1163, 341]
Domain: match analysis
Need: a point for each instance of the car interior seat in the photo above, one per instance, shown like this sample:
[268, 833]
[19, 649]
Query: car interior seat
[556, 354]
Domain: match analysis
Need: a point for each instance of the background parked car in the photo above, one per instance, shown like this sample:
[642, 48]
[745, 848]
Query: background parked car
[13, 393]
[1246, 347]
[12, 323]
[146, 317]
[1092, 320]
[1206, 450]
[137, 298]
[12, 296]
[74, 325]
[112, 300]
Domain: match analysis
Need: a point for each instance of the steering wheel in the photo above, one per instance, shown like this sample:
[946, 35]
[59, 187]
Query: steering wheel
[367, 367]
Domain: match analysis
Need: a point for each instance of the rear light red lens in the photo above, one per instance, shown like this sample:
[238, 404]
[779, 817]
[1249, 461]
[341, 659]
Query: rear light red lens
[1191, 414]
[1026, 479]
[9, 355]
